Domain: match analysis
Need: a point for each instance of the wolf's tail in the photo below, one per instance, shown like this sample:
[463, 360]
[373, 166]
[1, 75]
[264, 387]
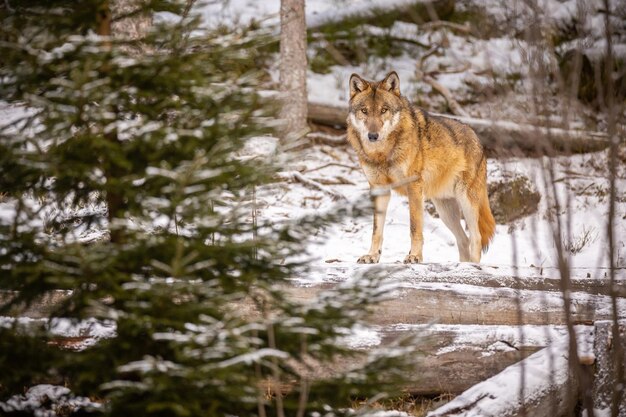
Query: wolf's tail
[486, 222]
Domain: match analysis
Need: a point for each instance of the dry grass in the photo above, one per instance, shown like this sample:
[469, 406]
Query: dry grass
[416, 406]
[578, 242]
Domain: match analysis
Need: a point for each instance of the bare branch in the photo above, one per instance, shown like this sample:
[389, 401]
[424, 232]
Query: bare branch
[296, 176]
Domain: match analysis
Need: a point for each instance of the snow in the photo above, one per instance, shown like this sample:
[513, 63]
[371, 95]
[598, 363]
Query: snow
[149, 364]
[45, 400]
[362, 337]
[326, 13]
[598, 412]
[252, 357]
[501, 338]
[92, 328]
[318, 12]
[265, 146]
[526, 246]
[542, 372]
[89, 331]
[485, 339]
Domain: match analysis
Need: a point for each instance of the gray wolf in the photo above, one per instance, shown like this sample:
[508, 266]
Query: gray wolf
[421, 156]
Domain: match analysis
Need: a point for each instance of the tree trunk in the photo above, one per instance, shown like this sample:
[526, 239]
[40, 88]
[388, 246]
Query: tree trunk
[127, 21]
[293, 66]
[114, 198]
[608, 390]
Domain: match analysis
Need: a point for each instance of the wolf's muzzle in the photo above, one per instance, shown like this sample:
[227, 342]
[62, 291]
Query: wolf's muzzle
[373, 137]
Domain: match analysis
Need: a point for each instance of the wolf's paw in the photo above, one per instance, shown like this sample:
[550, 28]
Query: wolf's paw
[412, 259]
[368, 259]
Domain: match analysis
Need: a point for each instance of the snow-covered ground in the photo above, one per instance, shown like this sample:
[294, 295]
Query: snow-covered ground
[45, 400]
[580, 183]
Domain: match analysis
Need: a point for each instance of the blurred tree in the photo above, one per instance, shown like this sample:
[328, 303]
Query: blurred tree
[123, 186]
[293, 67]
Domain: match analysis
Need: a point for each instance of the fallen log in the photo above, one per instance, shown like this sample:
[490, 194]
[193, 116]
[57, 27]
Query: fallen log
[541, 385]
[483, 275]
[452, 359]
[455, 357]
[494, 134]
[441, 293]
[463, 304]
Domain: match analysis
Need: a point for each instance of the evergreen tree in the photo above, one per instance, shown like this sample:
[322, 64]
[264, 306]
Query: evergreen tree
[122, 186]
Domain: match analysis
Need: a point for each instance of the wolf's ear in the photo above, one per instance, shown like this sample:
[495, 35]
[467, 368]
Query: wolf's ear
[357, 84]
[391, 83]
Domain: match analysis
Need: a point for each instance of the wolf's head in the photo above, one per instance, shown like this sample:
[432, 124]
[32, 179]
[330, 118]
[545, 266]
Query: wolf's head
[375, 107]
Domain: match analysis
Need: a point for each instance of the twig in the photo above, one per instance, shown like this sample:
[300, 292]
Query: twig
[333, 164]
[411, 41]
[304, 383]
[188, 7]
[338, 180]
[452, 103]
[271, 342]
[426, 54]
[458, 70]
[428, 79]
[259, 377]
[296, 176]
[326, 139]
[334, 52]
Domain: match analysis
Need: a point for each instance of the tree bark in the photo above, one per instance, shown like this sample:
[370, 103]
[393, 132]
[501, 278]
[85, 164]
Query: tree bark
[607, 385]
[293, 66]
[127, 21]
[114, 198]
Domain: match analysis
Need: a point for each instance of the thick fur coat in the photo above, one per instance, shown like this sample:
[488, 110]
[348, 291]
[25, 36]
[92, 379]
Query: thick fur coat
[421, 156]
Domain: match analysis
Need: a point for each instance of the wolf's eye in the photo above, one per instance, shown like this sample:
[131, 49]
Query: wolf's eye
[363, 110]
[384, 110]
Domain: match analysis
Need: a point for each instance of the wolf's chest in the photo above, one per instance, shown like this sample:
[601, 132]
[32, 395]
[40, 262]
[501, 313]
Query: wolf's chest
[386, 175]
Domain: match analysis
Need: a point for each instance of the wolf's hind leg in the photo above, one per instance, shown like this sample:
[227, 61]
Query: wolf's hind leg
[381, 202]
[470, 210]
[450, 214]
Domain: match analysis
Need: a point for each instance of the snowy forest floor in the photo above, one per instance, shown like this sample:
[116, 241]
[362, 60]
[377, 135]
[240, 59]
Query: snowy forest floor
[526, 244]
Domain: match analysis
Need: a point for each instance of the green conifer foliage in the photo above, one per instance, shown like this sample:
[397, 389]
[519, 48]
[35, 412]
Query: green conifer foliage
[121, 185]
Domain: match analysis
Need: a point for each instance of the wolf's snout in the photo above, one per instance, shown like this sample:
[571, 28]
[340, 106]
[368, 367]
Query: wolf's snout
[373, 137]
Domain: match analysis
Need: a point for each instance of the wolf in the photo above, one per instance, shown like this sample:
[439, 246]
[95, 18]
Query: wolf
[419, 155]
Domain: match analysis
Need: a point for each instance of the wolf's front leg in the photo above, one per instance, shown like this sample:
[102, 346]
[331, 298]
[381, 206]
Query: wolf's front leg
[380, 211]
[416, 212]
